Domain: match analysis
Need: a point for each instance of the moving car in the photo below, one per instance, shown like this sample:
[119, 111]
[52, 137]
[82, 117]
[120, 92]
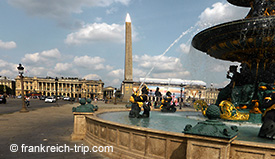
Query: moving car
[50, 100]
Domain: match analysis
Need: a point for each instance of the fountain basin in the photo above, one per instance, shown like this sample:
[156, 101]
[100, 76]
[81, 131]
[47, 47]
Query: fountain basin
[240, 40]
[131, 141]
[242, 3]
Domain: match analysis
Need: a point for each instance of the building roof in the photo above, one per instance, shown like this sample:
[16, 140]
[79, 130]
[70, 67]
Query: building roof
[173, 81]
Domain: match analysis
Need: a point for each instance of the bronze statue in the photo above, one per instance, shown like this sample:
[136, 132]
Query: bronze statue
[166, 105]
[268, 127]
[137, 102]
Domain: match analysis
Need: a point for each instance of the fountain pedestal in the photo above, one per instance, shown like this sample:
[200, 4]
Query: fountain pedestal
[79, 125]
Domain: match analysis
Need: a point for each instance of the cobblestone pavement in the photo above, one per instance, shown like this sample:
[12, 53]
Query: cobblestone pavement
[51, 126]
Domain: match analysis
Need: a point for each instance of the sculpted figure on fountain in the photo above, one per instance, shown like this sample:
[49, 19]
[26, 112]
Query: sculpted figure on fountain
[139, 101]
[166, 105]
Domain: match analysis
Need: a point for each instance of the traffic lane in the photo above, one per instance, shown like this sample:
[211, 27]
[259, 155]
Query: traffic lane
[15, 105]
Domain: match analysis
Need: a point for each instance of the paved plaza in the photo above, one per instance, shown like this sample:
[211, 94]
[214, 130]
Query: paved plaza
[50, 126]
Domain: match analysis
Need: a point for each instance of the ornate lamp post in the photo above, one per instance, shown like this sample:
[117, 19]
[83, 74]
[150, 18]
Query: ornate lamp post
[5, 89]
[181, 86]
[56, 83]
[21, 72]
[115, 96]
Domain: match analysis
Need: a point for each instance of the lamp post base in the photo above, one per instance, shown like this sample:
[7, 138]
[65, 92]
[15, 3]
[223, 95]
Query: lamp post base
[24, 110]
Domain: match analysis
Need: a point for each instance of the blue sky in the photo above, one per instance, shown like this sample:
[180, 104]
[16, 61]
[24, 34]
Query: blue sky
[85, 38]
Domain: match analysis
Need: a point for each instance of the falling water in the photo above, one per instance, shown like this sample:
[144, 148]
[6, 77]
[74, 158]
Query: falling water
[183, 33]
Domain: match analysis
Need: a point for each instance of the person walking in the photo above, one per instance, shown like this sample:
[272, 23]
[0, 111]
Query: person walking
[27, 100]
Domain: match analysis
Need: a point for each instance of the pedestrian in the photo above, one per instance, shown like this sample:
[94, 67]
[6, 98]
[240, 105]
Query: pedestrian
[27, 100]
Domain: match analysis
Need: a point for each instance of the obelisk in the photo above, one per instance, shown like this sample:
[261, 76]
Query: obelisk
[128, 69]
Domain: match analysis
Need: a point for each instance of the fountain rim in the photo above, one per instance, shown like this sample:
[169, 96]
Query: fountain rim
[216, 28]
[96, 117]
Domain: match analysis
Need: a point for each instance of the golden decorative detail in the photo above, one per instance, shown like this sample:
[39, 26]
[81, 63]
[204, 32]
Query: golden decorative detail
[222, 44]
[250, 40]
[255, 109]
[201, 105]
[132, 100]
[235, 42]
[268, 98]
[229, 112]
[267, 39]
[140, 104]
[266, 12]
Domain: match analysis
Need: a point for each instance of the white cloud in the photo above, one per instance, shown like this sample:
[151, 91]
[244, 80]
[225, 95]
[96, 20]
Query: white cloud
[119, 73]
[220, 13]
[47, 57]
[114, 77]
[161, 63]
[97, 32]
[221, 85]
[92, 77]
[8, 69]
[62, 67]
[54, 53]
[60, 8]
[93, 63]
[36, 71]
[115, 82]
[108, 67]
[164, 66]
[7, 45]
[100, 32]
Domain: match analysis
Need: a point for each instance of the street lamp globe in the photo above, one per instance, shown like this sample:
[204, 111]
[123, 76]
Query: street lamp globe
[20, 69]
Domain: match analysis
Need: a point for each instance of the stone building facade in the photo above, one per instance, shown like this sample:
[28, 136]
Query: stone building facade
[211, 95]
[7, 83]
[71, 87]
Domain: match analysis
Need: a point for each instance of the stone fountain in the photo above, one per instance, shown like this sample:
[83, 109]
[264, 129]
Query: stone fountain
[249, 41]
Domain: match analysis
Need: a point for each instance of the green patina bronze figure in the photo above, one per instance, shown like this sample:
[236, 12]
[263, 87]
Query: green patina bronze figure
[212, 127]
[89, 101]
[83, 107]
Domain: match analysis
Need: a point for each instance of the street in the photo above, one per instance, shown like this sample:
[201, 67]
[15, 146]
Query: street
[14, 105]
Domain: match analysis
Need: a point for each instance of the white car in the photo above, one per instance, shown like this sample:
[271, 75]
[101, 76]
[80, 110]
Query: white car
[66, 98]
[50, 100]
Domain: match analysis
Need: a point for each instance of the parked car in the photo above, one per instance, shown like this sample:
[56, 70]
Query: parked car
[66, 98]
[3, 100]
[50, 100]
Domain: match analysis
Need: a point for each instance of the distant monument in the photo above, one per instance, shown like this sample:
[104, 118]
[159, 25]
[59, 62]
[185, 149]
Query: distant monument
[127, 84]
